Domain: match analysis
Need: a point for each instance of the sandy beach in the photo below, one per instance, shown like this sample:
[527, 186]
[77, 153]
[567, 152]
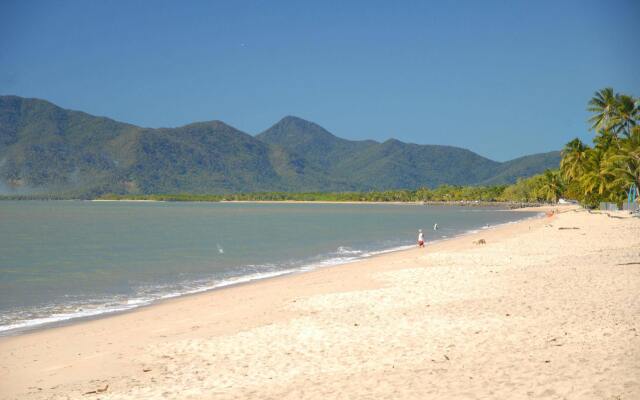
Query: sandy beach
[547, 308]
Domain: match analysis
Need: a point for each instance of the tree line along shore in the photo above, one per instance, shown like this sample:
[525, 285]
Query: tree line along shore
[519, 193]
[604, 172]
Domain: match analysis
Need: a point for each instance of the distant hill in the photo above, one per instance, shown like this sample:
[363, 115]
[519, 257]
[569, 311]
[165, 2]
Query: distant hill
[394, 164]
[510, 171]
[45, 149]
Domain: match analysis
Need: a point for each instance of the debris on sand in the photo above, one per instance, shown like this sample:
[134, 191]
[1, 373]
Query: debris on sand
[99, 390]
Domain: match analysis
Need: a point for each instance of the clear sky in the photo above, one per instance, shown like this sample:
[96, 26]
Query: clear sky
[502, 78]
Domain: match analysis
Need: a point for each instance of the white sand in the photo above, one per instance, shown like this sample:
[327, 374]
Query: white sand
[537, 312]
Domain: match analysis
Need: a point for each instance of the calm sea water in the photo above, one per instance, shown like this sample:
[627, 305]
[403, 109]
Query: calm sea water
[61, 260]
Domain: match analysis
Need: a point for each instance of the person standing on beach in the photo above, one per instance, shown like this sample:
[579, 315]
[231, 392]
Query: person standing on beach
[420, 238]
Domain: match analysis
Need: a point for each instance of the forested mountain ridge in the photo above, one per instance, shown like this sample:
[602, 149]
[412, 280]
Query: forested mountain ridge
[394, 164]
[45, 148]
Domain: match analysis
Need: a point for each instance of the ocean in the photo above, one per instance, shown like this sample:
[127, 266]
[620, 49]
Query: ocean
[63, 260]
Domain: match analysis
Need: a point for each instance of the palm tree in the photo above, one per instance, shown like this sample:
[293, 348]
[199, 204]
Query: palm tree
[624, 164]
[604, 107]
[552, 186]
[596, 179]
[614, 111]
[604, 139]
[573, 156]
[628, 111]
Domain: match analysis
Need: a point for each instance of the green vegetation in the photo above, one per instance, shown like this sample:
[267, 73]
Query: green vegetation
[546, 187]
[445, 194]
[606, 171]
[441, 194]
[50, 152]
[590, 175]
[369, 165]
[76, 155]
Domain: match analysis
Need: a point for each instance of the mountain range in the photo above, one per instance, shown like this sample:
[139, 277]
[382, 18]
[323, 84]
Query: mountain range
[47, 149]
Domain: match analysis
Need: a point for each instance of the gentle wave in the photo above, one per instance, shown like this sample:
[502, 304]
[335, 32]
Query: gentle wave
[113, 305]
[347, 250]
[109, 306]
[19, 322]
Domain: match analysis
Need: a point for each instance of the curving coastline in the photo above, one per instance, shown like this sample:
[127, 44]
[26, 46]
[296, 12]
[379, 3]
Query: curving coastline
[537, 311]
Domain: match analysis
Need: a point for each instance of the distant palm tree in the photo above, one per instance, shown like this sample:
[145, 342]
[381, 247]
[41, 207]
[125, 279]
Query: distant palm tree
[573, 159]
[552, 186]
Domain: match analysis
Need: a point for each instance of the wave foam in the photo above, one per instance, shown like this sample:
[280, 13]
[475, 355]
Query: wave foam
[95, 308]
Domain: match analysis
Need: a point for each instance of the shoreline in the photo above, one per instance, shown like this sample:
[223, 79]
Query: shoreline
[547, 308]
[242, 280]
[511, 205]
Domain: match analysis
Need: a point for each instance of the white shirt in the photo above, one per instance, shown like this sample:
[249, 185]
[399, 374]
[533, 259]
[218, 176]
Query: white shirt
[420, 237]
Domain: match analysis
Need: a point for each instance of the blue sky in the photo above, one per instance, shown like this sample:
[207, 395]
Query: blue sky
[502, 78]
